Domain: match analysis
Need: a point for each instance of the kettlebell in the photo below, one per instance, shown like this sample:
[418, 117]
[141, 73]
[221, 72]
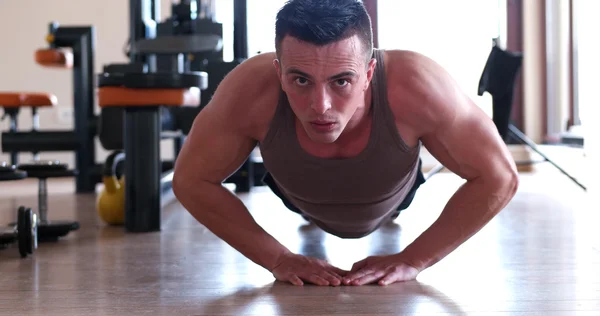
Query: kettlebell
[111, 201]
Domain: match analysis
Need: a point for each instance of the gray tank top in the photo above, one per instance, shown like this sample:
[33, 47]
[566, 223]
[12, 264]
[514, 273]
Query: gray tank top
[349, 197]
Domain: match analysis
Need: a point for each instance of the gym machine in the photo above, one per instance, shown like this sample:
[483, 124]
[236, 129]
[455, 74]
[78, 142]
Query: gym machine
[190, 18]
[140, 95]
[498, 79]
[70, 47]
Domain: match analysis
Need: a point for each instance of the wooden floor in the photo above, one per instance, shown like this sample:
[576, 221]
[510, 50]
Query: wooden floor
[540, 256]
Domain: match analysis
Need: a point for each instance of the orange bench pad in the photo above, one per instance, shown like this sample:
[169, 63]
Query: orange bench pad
[21, 99]
[120, 96]
[61, 58]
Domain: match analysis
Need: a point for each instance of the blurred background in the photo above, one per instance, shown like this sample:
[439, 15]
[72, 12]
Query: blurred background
[554, 99]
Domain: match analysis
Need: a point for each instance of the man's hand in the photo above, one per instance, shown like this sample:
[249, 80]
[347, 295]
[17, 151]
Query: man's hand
[384, 270]
[298, 269]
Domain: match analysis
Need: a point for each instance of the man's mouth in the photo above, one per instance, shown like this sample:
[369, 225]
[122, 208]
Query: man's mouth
[322, 122]
[323, 126]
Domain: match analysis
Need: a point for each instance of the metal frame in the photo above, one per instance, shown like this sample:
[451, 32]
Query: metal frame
[81, 138]
[81, 40]
[143, 192]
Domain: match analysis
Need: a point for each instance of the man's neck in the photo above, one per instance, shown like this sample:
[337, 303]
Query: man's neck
[360, 122]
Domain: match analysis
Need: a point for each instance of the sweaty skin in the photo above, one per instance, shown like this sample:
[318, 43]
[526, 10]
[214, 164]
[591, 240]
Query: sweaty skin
[328, 88]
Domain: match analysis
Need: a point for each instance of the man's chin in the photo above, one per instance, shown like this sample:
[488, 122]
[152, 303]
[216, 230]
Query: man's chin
[323, 137]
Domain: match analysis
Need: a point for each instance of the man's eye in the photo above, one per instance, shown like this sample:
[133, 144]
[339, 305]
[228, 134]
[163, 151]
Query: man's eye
[341, 82]
[301, 81]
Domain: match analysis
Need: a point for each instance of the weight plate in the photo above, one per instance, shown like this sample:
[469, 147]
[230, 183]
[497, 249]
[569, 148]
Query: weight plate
[160, 80]
[34, 235]
[177, 44]
[43, 165]
[22, 231]
[15, 174]
[166, 80]
[26, 231]
[6, 167]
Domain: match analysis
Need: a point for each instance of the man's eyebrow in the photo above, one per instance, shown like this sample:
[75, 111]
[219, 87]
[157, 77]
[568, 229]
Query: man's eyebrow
[343, 74]
[334, 77]
[298, 72]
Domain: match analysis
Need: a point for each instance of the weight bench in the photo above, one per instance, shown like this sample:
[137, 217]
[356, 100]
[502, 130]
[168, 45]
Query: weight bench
[12, 102]
[141, 95]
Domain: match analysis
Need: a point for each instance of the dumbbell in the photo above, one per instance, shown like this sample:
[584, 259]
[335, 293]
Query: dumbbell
[49, 230]
[24, 233]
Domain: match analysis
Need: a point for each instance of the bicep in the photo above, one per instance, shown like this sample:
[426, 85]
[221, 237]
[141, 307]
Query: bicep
[215, 147]
[219, 141]
[468, 145]
[464, 138]
[224, 133]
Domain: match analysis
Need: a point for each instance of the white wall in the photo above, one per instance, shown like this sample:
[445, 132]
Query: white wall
[23, 28]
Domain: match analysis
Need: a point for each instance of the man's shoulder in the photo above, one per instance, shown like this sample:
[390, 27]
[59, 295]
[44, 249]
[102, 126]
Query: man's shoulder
[255, 74]
[416, 84]
[250, 92]
[409, 73]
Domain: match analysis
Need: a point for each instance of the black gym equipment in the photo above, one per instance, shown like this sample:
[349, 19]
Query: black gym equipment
[191, 19]
[24, 233]
[49, 230]
[145, 184]
[498, 79]
[80, 140]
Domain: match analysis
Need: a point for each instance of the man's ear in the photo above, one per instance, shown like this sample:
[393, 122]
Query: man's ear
[370, 72]
[277, 65]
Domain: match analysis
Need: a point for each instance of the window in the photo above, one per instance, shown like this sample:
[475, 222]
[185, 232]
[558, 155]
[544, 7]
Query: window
[456, 34]
[261, 25]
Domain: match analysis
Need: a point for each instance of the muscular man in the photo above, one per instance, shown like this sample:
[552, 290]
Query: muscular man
[340, 126]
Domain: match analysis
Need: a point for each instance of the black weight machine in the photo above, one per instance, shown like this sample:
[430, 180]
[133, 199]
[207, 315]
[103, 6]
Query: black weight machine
[185, 22]
[165, 59]
[70, 47]
[498, 79]
[183, 52]
[76, 43]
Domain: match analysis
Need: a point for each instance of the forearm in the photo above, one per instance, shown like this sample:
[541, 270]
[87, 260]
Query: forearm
[221, 212]
[473, 205]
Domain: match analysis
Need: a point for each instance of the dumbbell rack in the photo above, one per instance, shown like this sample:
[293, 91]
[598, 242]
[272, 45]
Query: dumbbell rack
[80, 139]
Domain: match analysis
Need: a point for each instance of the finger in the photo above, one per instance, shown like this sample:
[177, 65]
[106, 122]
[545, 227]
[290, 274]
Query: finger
[332, 278]
[352, 276]
[369, 278]
[295, 280]
[316, 279]
[359, 265]
[389, 279]
[339, 272]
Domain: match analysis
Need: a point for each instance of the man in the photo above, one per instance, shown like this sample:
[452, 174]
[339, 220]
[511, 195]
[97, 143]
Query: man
[340, 126]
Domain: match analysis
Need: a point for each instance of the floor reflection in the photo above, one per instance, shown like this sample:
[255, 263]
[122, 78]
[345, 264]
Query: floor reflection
[282, 299]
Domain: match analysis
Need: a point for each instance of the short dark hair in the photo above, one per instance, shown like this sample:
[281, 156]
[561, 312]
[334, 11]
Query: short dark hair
[322, 22]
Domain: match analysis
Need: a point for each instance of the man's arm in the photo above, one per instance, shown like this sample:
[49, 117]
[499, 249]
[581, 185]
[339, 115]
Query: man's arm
[219, 141]
[465, 140]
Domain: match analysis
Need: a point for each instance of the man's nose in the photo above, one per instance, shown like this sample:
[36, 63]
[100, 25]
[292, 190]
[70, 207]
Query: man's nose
[321, 100]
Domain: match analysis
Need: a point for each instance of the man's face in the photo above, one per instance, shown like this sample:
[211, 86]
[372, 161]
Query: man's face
[325, 85]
